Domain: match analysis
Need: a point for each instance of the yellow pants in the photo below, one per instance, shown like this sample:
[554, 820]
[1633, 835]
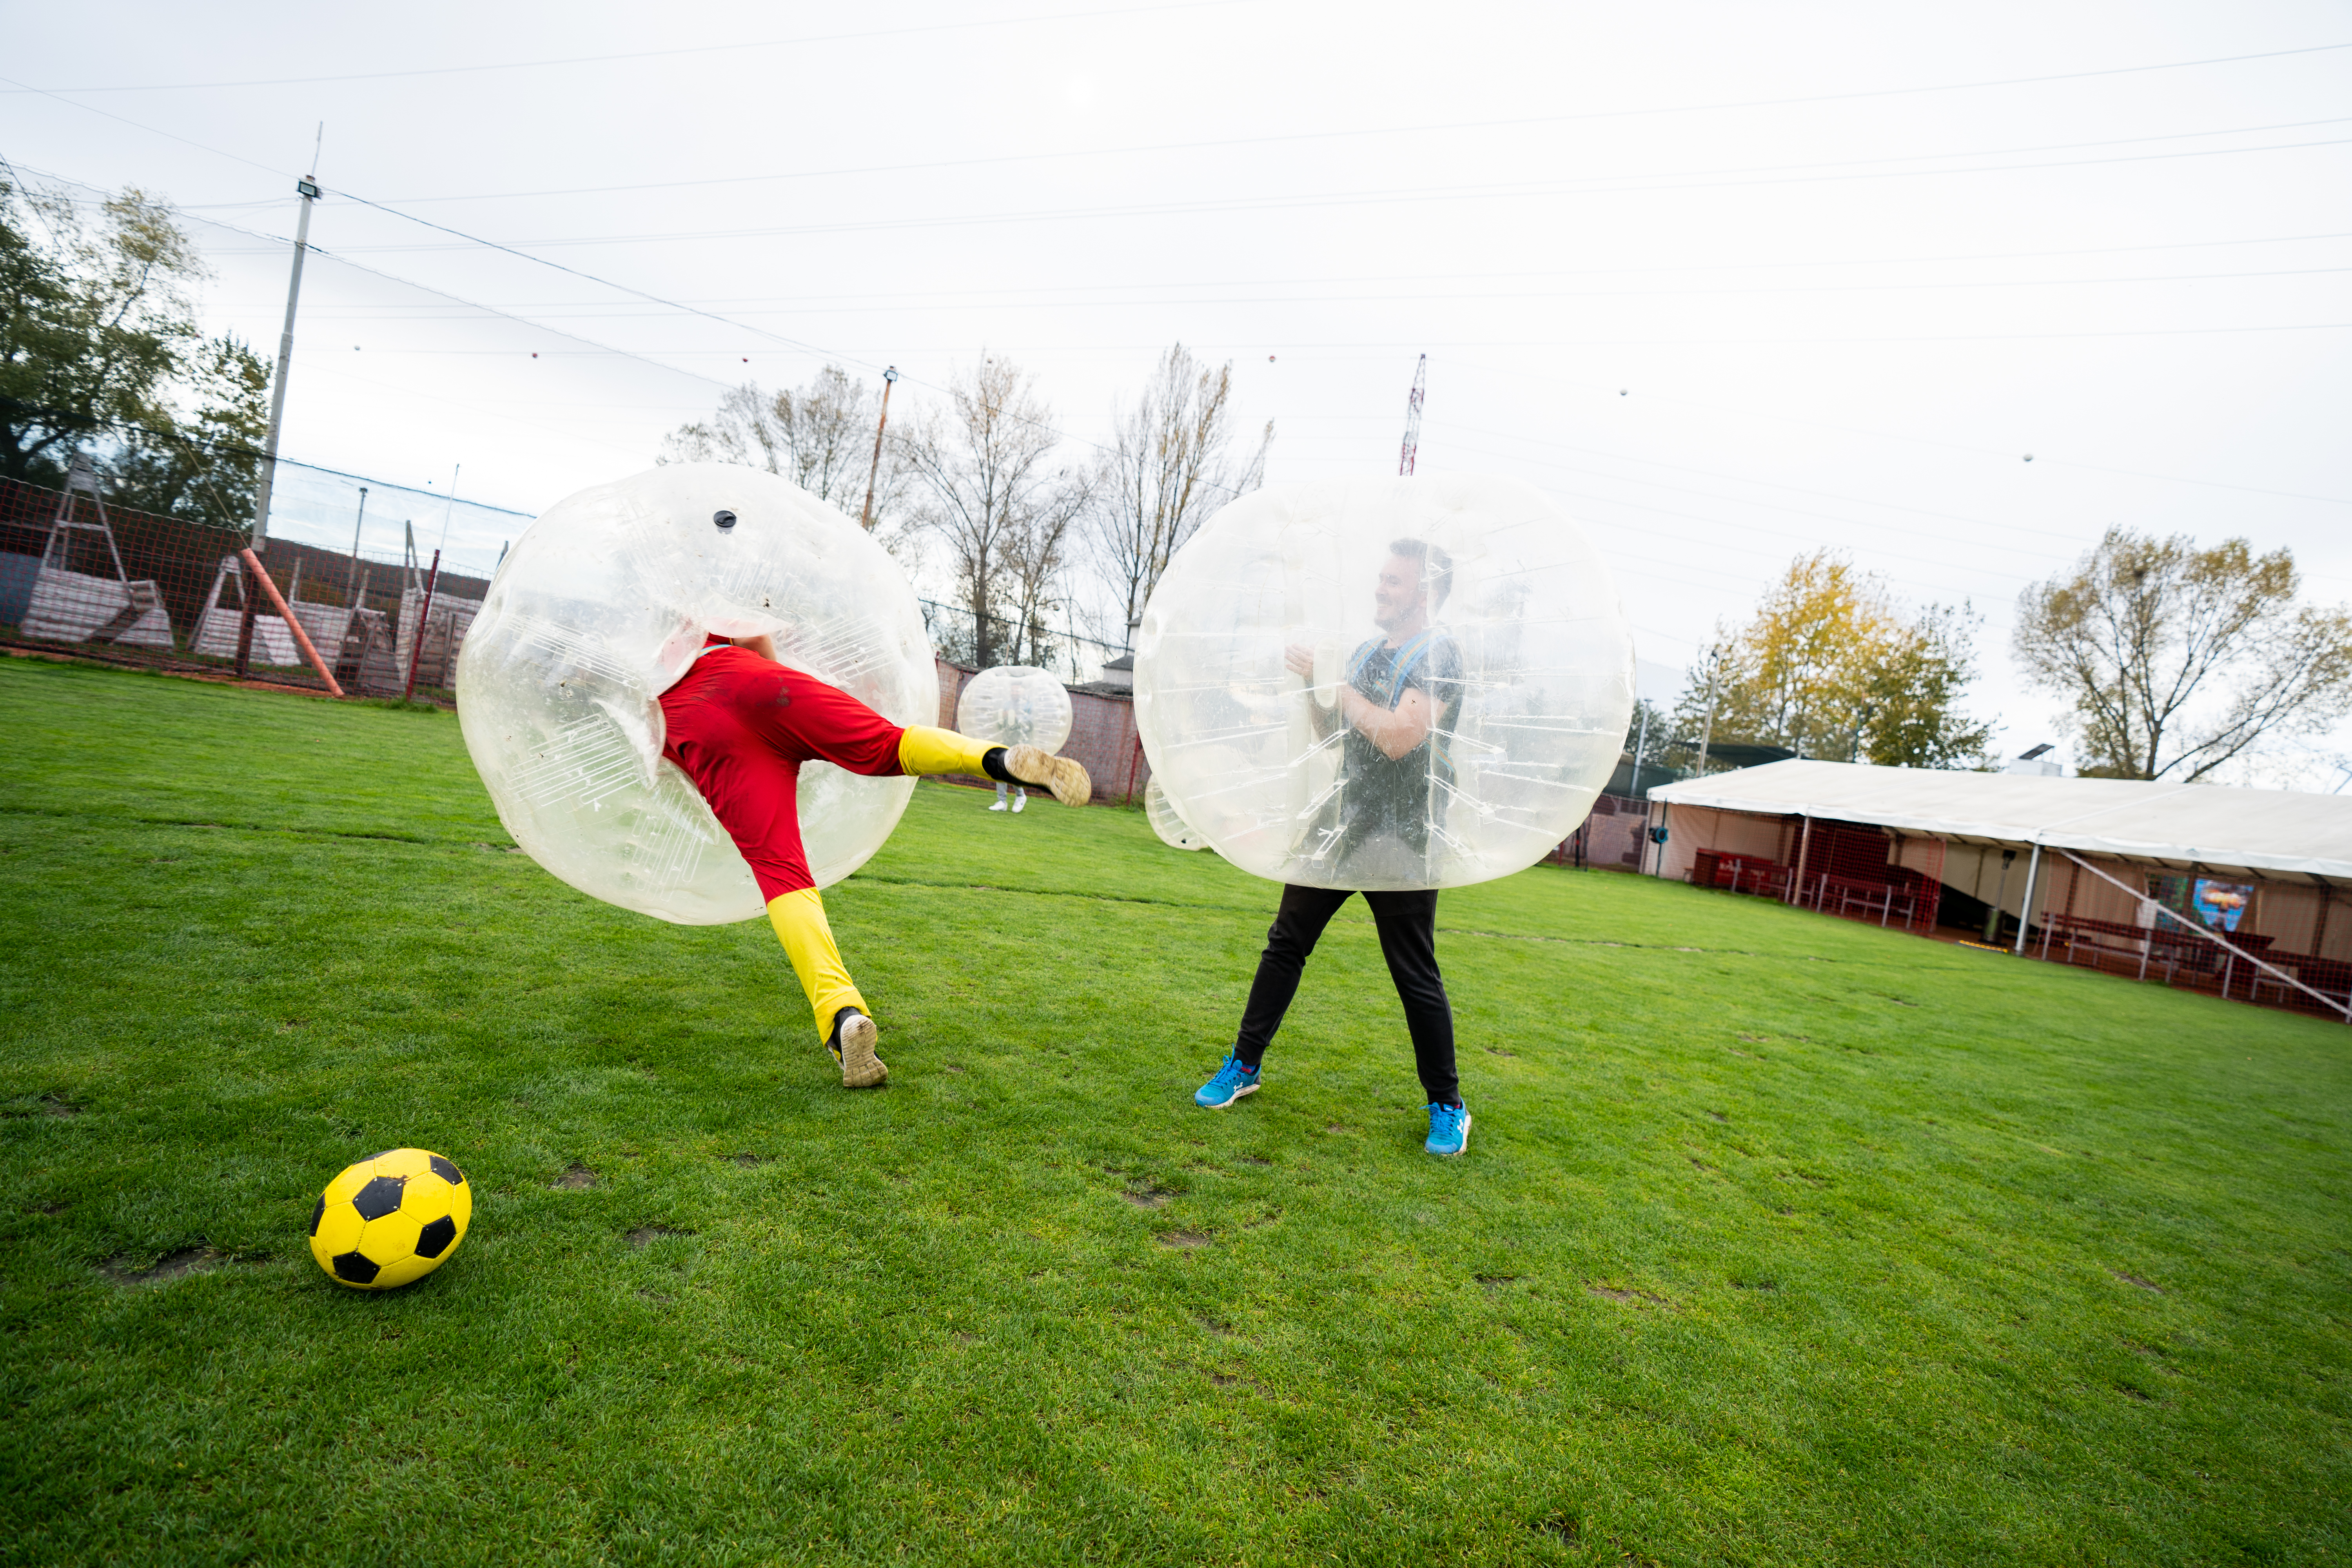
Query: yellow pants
[799, 916]
[799, 919]
[923, 750]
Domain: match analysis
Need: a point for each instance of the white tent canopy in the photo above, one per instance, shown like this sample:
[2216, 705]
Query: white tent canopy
[2262, 833]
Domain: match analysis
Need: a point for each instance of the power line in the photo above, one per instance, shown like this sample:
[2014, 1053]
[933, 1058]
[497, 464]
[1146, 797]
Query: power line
[1014, 294]
[647, 54]
[1141, 149]
[1393, 196]
[814, 308]
[1923, 441]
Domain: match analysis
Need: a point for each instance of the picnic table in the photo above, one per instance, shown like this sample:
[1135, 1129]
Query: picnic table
[1741, 873]
[2079, 933]
[1867, 893]
[2331, 977]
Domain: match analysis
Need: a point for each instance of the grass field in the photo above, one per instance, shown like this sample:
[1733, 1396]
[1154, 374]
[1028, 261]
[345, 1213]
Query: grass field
[1779, 1240]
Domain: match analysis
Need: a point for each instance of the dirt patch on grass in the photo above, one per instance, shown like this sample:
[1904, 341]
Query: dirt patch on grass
[747, 1159]
[1563, 1528]
[2135, 1280]
[1629, 1296]
[1184, 1239]
[179, 1265]
[1258, 1160]
[645, 1235]
[1494, 1282]
[576, 1177]
[1147, 1197]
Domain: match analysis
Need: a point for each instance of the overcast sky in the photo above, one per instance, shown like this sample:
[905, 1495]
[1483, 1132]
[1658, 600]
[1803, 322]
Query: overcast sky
[1732, 281]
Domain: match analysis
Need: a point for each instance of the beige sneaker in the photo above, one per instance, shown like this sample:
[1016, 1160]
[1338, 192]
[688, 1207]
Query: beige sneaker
[1042, 769]
[852, 1047]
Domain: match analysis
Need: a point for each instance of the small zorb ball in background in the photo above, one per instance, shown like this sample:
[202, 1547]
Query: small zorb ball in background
[600, 607]
[1161, 813]
[1015, 705]
[1476, 593]
[393, 1218]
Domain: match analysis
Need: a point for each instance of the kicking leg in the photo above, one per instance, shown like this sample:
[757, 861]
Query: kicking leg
[833, 997]
[924, 750]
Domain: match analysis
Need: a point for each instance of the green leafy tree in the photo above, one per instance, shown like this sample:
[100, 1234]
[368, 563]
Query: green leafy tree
[2178, 660]
[1831, 666]
[100, 355]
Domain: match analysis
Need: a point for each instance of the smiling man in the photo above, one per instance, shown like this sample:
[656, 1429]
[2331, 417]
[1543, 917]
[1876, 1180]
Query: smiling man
[1398, 707]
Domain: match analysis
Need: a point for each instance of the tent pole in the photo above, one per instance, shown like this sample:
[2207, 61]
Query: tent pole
[1797, 872]
[2025, 904]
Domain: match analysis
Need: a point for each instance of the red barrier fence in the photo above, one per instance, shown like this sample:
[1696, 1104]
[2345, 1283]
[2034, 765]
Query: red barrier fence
[80, 576]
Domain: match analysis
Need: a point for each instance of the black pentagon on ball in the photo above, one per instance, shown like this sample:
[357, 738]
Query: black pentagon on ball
[379, 1197]
[724, 520]
[356, 1268]
[435, 1239]
[447, 1172]
[316, 1214]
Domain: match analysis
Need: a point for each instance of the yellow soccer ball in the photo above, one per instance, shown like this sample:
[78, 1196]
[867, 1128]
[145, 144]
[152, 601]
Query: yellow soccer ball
[392, 1218]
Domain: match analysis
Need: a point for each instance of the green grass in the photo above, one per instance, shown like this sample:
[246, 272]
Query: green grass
[1779, 1240]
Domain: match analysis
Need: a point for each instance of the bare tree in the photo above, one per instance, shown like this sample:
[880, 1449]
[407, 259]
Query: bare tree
[820, 437]
[1173, 462]
[2178, 660]
[990, 490]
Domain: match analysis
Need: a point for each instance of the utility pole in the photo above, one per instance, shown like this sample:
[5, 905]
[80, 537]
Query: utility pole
[1714, 678]
[1868, 712]
[309, 187]
[865, 518]
[357, 524]
[1413, 419]
[1639, 747]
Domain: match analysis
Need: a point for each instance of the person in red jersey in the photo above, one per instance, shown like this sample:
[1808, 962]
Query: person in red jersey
[741, 724]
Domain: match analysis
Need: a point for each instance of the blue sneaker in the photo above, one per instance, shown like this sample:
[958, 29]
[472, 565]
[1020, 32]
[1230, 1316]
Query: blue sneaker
[1449, 1128]
[1233, 1082]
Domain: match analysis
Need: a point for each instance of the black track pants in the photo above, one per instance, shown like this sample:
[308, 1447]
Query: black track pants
[1408, 927]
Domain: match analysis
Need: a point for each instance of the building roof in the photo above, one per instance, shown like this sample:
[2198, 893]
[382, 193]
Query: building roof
[2279, 834]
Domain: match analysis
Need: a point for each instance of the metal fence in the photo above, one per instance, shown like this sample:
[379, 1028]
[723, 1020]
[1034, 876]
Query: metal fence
[1075, 659]
[80, 575]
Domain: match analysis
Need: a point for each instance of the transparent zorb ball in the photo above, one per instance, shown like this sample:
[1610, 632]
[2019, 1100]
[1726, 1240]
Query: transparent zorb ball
[1015, 705]
[600, 606]
[1471, 605]
[1160, 812]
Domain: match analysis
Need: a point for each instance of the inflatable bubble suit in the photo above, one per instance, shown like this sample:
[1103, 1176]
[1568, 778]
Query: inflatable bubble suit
[1015, 705]
[1161, 813]
[1515, 674]
[602, 604]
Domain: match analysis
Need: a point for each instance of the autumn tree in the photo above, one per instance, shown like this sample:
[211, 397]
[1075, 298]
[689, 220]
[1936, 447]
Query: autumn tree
[2178, 660]
[1831, 666]
[1175, 457]
[820, 437]
[101, 355]
[988, 487]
